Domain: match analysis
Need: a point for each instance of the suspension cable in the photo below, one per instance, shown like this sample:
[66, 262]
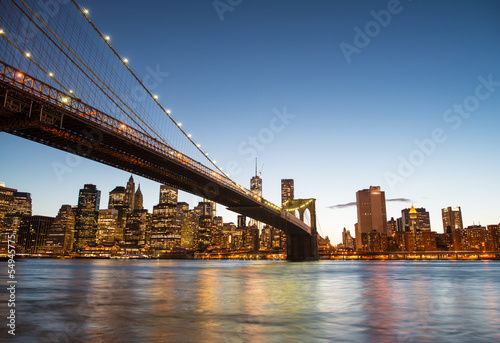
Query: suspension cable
[82, 11]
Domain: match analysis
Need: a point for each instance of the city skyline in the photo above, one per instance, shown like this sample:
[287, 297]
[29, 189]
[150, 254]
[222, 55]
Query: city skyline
[169, 195]
[411, 83]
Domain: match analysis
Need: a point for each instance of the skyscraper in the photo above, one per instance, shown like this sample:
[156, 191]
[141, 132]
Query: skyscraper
[61, 235]
[256, 188]
[87, 212]
[286, 190]
[130, 194]
[452, 219]
[32, 236]
[138, 199]
[168, 195]
[117, 197]
[371, 213]
[415, 219]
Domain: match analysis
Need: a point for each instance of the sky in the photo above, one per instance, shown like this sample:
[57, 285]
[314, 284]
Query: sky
[337, 95]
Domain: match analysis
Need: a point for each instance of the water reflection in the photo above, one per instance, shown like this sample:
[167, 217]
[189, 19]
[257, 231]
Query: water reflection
[258, 301]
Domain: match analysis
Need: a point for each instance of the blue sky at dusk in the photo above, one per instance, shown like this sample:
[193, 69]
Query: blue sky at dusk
[350, 124]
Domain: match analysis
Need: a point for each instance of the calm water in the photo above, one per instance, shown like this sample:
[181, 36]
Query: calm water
[252, 301]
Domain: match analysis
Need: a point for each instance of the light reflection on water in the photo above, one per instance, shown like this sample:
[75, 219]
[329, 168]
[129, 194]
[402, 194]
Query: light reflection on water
[255, 301]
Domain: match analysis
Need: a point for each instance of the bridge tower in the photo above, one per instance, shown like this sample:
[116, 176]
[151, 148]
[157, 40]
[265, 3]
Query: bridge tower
[302, 247]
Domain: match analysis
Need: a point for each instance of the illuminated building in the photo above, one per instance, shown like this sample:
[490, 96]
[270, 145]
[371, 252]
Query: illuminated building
[165, 234]
[186, 220]
[493, 237]
[256, 189]
[476, 237]
[6, 196]
[212, 205]
[61, 235]
[347, 239]
[13, 206]
[452, 219]
[130, 194]
[415, 219]
[107, 224]
[392, 226]
[168, 195]
[32, 235]
[204, 237]
[371, 215]
[251, 238]
[137, 230]
[117, 197]
[86, 217]
[287, 191]
[138, 199]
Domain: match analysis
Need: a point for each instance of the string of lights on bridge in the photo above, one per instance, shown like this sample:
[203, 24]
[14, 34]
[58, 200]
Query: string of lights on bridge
[70, 94]
[86, 13]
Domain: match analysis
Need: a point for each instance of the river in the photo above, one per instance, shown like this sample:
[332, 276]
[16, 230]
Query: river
[86, 300]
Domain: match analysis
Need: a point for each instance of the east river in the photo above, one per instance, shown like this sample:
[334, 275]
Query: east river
[253, 301]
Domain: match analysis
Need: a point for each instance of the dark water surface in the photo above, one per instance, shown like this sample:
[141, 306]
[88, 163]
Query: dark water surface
[254, 301]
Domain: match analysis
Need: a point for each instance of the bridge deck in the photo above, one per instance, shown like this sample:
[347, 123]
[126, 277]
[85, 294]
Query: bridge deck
[34, 110]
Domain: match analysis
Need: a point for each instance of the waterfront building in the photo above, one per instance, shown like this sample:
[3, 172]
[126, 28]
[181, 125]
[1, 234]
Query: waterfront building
[415, 219]
[251, 238]
[392, 226]
[107, 225]
[86, 217]
[372, 215]
[13, 206]
[452, 219]
[204, 237]
[61, 235]
[347, 240]
[476, 237]
[165, 234]
[137, 231]
[493, 240]
[32, 235]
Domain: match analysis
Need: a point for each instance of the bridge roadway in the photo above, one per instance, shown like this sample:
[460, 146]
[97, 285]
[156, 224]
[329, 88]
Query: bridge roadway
[36, 111]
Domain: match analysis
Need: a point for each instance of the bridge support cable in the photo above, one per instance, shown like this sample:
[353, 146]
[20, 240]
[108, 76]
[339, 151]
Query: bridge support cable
[88, 68]
[165, 111]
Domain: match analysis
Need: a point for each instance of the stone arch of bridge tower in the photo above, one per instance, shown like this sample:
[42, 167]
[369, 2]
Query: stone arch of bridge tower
[300, 206]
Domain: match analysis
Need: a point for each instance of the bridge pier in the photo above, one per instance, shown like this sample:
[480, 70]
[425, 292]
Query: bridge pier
[302, 247]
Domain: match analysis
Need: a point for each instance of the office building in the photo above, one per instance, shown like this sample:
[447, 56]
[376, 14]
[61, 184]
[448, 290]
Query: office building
[86, 217]
[287, 191]
[371, 213]
[452, 219]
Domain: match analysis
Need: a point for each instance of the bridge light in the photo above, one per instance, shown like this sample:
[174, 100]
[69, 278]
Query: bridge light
[64, 100]
[125, 60]
[168, 111]
[215, 162]
[155, 96]
[1, 31]
[28, 54]
[123, 126]
[198, 145]
[107, 37]
[86, 11]
[179, 124]
[51, 74]
[70, 91]
[189, 135]
[19, 75]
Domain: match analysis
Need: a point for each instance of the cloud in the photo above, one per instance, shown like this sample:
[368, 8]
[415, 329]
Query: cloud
[349, 204]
